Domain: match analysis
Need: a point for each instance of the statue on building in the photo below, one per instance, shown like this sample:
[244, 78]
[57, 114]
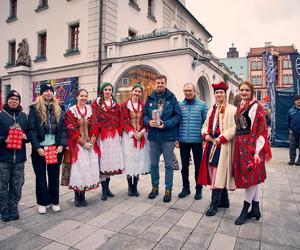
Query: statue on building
[23, 54]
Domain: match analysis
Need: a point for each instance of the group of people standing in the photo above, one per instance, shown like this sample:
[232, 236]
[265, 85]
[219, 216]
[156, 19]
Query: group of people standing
[229, 145]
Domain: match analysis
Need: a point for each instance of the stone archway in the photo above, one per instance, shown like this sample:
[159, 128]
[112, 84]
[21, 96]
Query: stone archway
[137, 74]
[203, 90]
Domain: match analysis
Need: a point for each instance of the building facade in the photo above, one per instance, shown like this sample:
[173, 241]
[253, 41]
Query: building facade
[138, 40]
[257, 70]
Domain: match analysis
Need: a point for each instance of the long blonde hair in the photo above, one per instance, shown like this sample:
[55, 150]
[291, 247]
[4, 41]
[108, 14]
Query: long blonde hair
[41, 108]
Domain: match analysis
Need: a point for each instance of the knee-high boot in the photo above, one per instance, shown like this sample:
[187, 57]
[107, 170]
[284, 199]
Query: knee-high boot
[104, 190]
[224, 201]
[135, 183]
[109, 193]
[213, 208]
[255, 211]
[77, 201]
[130, 185]
[83, 201]
[244, 214]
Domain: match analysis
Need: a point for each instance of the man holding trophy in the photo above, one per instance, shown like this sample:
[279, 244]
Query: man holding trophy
[162, 115]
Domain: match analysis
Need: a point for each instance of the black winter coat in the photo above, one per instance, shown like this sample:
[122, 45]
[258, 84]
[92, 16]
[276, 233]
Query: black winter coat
[8, 119]
[37, 131]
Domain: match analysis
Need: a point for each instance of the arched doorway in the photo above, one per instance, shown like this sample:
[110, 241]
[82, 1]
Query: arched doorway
[137, 74]
[203, 90]
[231, 98]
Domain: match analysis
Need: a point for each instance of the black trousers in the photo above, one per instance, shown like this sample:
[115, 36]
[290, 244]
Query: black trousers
[46, 193]
[185, 150]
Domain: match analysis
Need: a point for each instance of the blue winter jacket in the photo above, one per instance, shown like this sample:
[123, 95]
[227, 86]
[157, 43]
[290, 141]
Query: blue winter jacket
[193, 115]
[294, 120]
[170, 117]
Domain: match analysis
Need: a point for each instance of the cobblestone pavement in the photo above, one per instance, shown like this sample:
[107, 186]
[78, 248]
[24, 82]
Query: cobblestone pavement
[126, 222]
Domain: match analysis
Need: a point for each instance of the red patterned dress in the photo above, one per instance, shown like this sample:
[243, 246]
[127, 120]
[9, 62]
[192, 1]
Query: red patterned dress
[136, 152]
[108, 129]
[251, 138]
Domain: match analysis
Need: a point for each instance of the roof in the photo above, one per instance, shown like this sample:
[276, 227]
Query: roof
[280, 49]
[194, 18]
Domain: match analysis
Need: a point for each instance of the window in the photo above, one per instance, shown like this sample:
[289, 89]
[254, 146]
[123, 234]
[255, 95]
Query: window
[134, 4]
[74, 37]
[258, 95]
[287, 79]
[12, 11]
[151, 10]
[256, 80]
[254, 65]
[286, 64]
[11, 53]
[43, 4]
[42, 45]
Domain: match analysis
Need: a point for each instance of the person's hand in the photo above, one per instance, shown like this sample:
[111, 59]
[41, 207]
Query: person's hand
[88, 145]
[208, 138]
[256, 158]
[41, 151]
[216, 141]
[7, 139]
[161, 126]
[59, 149]
[152, 123]
[24, 136]
[81, 141]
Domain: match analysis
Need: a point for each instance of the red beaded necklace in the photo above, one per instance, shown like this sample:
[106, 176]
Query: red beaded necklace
[79, 112]
[138, 107]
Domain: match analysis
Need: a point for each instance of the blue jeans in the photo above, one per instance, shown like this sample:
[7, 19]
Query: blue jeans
[156, 149]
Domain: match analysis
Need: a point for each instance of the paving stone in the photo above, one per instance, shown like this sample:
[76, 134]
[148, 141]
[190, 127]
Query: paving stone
[139, 209]
[156, 231]
[292, 238]
[137, 227]
[118, 241]
[77, 235]
[55, 246]
[184, 203]
[141, 244]
[222, 241]
[8, 232]
[250, 230]
[95, 240]
[124, 206]
[120, 222]
[34, 243]
[154, 213]
[44, 225]
[228, 227]
[103, 218]
[269, 246]
[210, 222]
[200, 206]
[272, 234]
[242, 244]
[199, 239]
[189, 219]
[61, 229]
[171, 216]
[15, 240]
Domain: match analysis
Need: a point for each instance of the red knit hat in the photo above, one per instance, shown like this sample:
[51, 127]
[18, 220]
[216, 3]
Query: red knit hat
[220, 85]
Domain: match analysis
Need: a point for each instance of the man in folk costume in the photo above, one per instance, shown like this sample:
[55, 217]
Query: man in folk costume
[216, 165]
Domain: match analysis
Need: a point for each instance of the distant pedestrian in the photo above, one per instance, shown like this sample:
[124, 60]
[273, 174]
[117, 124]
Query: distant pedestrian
[48, 137]
[294, 131]
[135, 142]
[216, 166]
[252, 149]
[13, 129]
[162, 115]
[193, 115]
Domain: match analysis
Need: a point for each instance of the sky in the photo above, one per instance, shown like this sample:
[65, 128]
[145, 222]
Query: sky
[248, 23]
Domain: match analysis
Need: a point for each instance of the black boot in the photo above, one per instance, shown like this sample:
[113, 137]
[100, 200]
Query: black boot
[109, 194]
[83, 201]
[198, 194]
[130, 185]
[213, 208]
[135, 182]
[77, 200]
[14, 211]
[254, 212]
[224, 201]
[244, 214]
[104, 190]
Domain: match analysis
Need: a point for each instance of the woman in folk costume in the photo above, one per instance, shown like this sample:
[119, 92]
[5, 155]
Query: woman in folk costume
[134, 143]
[251, 150]
[83, 149]
[107, 123]
[216, 165]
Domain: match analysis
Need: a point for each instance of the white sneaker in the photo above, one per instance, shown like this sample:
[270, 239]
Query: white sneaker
[55, 208]
[41, 209]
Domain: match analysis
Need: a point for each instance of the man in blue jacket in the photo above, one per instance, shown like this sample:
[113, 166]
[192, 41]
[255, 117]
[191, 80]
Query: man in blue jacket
[162, 115]
[193, 115]
[294, 131]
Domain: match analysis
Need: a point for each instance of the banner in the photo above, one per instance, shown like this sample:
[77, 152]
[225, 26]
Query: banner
[271, 85]
[295, 61]
[65, 90]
